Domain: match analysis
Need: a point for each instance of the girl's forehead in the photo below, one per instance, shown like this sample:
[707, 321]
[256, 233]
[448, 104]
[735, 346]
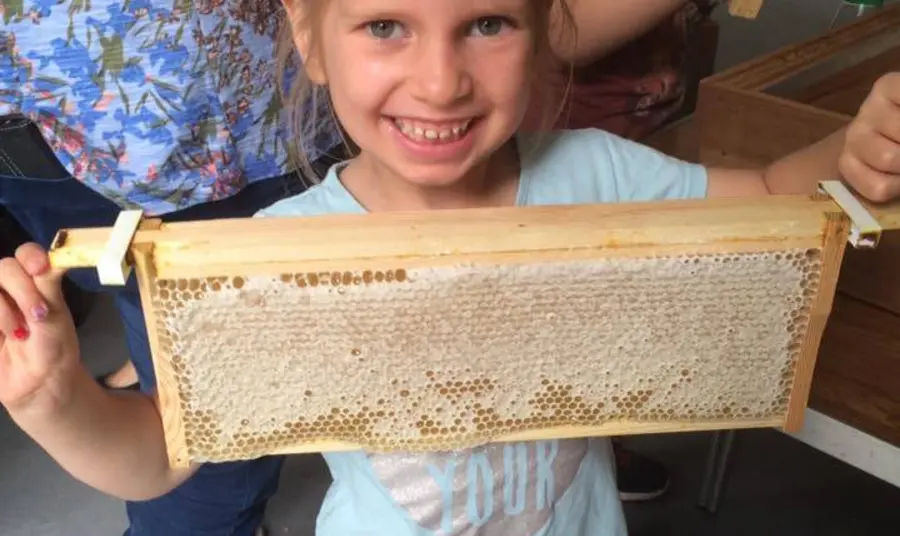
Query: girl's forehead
[351, 7]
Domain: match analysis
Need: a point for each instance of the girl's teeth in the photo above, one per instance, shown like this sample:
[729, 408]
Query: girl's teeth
[418, 133]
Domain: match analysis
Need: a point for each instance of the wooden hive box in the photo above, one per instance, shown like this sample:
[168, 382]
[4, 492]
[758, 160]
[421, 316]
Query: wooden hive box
[442, 330]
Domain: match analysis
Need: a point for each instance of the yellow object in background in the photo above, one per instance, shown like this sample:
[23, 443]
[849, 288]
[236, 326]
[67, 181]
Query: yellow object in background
[747, 9]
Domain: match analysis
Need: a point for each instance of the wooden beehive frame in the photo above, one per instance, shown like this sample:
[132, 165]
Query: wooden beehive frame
[745, 115]
[511, 235]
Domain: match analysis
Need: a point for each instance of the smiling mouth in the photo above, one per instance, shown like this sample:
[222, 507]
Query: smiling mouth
[425, 132]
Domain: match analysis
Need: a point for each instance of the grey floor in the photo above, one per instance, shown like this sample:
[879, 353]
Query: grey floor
[777, 486]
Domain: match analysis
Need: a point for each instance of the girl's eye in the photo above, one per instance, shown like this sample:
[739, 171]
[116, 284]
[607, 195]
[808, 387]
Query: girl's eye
[385, 29]
[489, 26]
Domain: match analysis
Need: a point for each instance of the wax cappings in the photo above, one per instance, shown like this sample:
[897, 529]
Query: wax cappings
[443, 358]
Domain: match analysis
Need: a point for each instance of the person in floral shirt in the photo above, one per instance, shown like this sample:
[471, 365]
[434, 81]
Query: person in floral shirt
[157, 105]
[171, 107]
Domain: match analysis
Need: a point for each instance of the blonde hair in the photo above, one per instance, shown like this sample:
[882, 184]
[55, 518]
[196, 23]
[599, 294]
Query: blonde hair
[309, 105]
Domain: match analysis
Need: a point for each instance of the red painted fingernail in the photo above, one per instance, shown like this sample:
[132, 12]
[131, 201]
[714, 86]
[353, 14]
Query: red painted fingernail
[20, 333]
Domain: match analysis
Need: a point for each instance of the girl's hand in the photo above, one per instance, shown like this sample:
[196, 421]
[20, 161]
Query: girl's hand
[38, 343]
[870, 161]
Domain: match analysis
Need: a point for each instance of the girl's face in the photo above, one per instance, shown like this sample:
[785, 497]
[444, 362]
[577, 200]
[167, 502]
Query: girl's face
[428, 89]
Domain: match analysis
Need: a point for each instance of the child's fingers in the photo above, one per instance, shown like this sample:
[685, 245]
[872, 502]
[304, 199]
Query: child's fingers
[12, 325]
[879, 153]
[20, 286]
[888, 88]
[870, 183]
[33, 258]
[881, 110]
[47, 280]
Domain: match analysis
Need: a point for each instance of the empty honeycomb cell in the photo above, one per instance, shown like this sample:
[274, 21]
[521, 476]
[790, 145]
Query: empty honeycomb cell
[456, 356]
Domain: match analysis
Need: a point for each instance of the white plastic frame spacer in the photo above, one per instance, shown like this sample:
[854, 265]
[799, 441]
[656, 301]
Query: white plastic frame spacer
[865, 231]
[113, 267]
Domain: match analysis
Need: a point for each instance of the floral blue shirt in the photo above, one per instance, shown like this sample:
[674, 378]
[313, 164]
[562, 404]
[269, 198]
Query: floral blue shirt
[158, 105]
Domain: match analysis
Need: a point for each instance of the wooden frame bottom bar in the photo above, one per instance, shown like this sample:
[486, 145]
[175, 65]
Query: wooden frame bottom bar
[612, 429]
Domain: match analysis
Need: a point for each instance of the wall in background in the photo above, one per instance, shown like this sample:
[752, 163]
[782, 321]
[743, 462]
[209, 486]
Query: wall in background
[780, 23]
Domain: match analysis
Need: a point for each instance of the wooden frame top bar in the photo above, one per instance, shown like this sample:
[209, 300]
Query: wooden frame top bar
[436, 235]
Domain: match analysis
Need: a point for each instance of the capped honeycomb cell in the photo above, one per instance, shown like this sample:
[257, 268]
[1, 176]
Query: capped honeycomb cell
[447, 357]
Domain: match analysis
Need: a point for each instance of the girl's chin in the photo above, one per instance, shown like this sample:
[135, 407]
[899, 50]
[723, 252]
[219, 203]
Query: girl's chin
[431, 176]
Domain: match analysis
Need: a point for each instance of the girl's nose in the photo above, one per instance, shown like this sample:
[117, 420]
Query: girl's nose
[440, 76]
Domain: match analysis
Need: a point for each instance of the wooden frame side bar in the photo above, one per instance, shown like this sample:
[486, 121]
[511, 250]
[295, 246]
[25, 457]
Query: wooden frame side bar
[170, 408]
[835, 242]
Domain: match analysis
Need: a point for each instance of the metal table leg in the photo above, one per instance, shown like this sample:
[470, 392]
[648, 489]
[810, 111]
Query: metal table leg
[716, 473]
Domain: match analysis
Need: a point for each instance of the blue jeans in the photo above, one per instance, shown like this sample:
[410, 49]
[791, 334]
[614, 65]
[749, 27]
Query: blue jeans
[226, 499]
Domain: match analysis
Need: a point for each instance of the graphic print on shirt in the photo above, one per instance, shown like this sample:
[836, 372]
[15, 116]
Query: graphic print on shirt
[495, 490]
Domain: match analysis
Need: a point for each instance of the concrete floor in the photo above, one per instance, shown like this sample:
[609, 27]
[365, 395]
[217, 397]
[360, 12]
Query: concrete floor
[778, 486]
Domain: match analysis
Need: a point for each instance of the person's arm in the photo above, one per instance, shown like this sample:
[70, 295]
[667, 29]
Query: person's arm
[866, 154]
[797, 173]
[602, 26]
[112, 442]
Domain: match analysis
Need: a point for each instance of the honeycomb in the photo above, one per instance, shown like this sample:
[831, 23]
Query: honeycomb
[449, 357]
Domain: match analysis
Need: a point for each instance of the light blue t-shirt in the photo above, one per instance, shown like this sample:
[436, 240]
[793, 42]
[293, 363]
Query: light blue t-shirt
[544, 488]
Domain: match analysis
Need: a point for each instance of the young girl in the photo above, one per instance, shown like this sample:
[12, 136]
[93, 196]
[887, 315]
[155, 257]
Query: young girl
[432, 94]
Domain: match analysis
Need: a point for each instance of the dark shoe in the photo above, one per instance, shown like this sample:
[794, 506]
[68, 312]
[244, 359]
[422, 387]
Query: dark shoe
[639, 478]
